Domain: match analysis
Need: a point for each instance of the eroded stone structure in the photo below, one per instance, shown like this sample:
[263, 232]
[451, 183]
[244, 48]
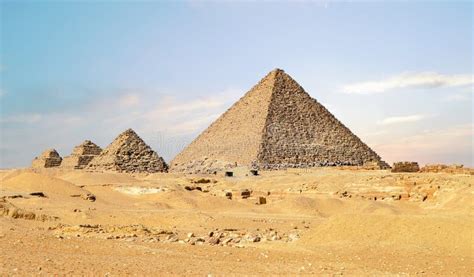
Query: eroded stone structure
[128, 153]
[81, 155]
[405, 167]
[276, 125]
[49, 158]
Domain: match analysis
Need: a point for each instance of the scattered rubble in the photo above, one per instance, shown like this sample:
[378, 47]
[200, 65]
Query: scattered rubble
[442, 168]
[218, 237]
[7, 209]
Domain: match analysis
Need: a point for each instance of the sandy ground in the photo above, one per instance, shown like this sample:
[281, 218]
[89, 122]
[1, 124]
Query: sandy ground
[321, 221]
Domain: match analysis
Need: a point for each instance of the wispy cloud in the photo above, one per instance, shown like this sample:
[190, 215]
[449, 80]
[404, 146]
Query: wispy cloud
[424, 80]
[129, 100]
[22, 118]
[402, 119]
[444, 145]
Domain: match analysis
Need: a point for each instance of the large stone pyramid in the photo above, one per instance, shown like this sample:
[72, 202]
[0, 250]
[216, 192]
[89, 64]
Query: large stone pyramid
[81, 155]
[128, 153]
[275, 125]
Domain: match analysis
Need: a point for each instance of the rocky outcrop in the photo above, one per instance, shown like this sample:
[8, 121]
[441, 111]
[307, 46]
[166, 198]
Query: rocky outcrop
[81, 155]
[128, 153]
[276, 125]
[405, 167]
[49, 158]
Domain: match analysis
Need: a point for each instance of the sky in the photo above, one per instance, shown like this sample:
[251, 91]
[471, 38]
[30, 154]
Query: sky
[398, 74]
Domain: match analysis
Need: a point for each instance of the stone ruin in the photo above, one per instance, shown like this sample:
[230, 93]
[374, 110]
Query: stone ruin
[405, 167]
[443, 168]
[128, 153]
[49, 158]
[276, 125]
[81, 155]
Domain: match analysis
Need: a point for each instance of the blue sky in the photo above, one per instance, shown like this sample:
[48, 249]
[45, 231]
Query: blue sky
[399, 75]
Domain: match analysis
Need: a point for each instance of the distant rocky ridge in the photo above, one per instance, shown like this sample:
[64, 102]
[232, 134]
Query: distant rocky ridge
[81, 155]
[276, 125]
[49, 158]
[128, 153]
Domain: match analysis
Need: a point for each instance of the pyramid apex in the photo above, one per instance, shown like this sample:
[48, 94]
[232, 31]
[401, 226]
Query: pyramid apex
[129, 131]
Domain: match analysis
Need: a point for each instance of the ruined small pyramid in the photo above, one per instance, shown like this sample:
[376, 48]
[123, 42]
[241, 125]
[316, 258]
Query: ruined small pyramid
[128, 153]
[273, 126]
[49, 158]
[81, 155]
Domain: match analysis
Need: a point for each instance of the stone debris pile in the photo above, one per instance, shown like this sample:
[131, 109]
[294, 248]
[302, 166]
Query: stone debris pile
[276, 125]
[405, 167]
[82, 155]
[128, 153]
[442, 168]
[218, 237]
[49, 158]
[203, 166]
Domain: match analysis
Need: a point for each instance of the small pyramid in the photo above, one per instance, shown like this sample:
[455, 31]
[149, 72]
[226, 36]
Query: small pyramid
[276, 125]
[128, 153]
[81, 155]
[49, 158]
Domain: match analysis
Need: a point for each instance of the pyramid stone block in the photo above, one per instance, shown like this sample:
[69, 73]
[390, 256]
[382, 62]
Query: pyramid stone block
[276, 125]
[81, 155]
[128, 153]
[49, 158]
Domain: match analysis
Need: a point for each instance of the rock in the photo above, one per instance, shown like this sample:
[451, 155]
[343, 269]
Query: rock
[252, 238]
[201, 181]
[261, 200]
[227, 241]
[39, 194]
[171, 238]
[89, 197]
[245, 193]
[293, 237]
[213, 240]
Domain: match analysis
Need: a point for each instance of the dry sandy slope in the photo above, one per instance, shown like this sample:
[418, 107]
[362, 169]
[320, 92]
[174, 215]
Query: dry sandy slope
[328, 220]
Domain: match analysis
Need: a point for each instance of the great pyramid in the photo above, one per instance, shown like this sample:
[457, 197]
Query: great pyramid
[81, 155]
[275, 125]
[49, 158]
[128, 153]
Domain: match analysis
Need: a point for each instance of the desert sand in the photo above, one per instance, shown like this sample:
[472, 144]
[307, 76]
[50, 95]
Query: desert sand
[322, 221]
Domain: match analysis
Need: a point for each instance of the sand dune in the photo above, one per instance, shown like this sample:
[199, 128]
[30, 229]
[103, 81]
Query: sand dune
[321, 221]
